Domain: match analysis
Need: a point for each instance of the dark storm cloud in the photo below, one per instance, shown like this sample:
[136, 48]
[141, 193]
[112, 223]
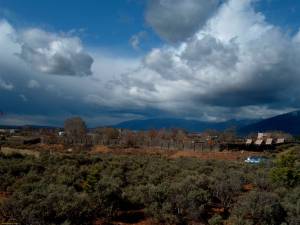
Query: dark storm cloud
[175, 20]
[275, 84]
[209, 51]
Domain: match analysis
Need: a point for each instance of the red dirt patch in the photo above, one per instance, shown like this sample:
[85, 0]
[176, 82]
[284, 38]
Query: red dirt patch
[226, 155]
[174, 154]
[100, 149]
[248, 187]
[4, 196]
[145, 222]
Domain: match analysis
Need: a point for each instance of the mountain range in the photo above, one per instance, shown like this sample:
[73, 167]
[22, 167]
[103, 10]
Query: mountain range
[189, 125]
[289, 123]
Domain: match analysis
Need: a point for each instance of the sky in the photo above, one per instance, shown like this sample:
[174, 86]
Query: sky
[118, 60]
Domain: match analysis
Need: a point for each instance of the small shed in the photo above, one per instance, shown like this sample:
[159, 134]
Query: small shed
[269, 141]
[249, 141]
[259, 142]
[61, 133]
[280, 141]
[2, 131]
[260, 135]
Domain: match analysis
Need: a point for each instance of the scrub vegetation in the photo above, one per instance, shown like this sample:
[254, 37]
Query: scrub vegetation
[82, 189]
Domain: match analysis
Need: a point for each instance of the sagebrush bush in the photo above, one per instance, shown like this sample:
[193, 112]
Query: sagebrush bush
[78, 189]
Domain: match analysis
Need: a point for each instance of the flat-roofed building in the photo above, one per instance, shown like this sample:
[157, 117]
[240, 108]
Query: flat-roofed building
[259, 142]
[260, 135]
[269, 141]
[249, 141]
[280, 141]
[263, 135]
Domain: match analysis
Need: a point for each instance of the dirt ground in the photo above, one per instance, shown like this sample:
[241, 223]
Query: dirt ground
[225, 155]
[173, 154]
[7, 151]
[4, 196]
[143, 222]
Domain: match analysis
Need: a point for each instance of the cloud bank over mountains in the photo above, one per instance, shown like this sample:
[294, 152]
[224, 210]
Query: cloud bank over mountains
[236, 62]
[222, 60]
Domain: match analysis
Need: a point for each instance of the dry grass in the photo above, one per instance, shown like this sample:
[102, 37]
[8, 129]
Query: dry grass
[52, 147]
[8, 151]
[226, 155]
[174, 154]
[100, 149]
[144, 222]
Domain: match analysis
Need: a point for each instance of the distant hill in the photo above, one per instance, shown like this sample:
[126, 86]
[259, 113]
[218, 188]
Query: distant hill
[189, 125]
[26, 126]
[289, 123]
[8, 127]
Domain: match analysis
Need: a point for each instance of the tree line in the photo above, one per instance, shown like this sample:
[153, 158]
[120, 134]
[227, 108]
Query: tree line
[76, 132]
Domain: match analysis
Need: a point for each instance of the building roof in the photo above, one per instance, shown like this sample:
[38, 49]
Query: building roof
[249, 141]
[263, 135]
[280, 141]
[269, 141]
[259, 142]
[260, 135]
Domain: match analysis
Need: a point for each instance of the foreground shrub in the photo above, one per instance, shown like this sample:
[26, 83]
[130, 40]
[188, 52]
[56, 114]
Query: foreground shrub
[258, 208]
[291, 203]
[178, 202]
[287, 169]
[216, 220]
[43, 205]
[78, 189]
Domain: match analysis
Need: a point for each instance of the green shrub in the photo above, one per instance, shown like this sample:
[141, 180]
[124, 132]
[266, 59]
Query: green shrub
[258, 208]
[287, 169]
[77, 189]
[216, 220]
[291, 204]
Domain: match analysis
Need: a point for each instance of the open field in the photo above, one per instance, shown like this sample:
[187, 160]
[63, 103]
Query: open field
[173, 154]
[8, 151]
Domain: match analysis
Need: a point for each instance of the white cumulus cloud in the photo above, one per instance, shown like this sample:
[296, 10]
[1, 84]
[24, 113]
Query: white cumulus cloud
[5, 85]
[54, 54]
[33, 84]
[236, 61]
